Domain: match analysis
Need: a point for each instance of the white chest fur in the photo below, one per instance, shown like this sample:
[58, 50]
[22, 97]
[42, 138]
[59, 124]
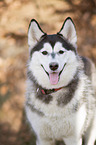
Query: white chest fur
[58, 127]
[58, 122]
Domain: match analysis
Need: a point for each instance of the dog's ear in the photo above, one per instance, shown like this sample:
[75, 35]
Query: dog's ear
[34, 33]
[69, 32]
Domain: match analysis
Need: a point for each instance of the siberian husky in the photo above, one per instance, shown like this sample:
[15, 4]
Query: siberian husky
[61, 88]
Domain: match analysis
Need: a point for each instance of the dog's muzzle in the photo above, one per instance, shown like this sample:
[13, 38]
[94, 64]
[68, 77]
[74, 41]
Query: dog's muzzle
[54, 75]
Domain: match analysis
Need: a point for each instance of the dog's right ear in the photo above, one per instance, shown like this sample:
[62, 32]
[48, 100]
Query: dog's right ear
[34, 33]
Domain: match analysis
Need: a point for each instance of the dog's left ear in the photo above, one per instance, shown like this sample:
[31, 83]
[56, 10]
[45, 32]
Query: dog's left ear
[34, 33]
[69, 32]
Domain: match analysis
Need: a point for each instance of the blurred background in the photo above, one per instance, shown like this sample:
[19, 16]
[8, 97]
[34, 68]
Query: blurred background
[15, 16]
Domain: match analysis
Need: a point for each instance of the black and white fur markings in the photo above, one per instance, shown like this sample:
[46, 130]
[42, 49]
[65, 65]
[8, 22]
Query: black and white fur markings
[61, 88]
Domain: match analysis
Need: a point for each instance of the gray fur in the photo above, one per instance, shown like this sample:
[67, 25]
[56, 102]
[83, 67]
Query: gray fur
[65, 98]
[87, 66]
[33, 109]
[44, 98]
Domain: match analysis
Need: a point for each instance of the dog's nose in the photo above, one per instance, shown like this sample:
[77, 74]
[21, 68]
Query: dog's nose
[53, 66]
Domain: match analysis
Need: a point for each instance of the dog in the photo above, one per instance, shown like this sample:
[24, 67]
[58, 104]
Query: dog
[61, 88]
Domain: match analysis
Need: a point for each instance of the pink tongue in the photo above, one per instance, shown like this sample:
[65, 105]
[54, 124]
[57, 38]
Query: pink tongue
[54, 77]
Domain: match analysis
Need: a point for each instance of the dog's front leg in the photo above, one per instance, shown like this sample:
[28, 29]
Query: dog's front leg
[72, 141]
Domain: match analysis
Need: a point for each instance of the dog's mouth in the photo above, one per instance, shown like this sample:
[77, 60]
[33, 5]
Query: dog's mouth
[54, 76]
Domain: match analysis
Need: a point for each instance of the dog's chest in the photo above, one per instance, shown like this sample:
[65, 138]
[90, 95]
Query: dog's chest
[59, 127]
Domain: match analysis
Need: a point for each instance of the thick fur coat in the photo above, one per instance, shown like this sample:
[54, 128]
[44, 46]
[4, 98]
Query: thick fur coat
[61, 88]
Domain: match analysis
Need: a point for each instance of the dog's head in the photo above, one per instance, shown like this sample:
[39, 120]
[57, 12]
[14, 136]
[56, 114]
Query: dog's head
[53, 58]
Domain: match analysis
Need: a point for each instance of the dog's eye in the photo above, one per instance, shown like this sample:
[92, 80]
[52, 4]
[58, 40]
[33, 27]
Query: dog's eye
[44, 52]
[61, 52]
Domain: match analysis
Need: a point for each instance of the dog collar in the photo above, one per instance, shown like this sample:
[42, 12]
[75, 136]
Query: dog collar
[45, 91]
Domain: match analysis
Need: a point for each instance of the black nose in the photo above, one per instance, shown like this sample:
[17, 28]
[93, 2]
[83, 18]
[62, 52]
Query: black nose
[53, 66]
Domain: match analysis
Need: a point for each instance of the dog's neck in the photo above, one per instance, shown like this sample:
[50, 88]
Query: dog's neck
[45, 91]
[49, 91]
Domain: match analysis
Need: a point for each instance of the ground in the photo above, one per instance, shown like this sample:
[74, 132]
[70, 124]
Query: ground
[14, 20]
